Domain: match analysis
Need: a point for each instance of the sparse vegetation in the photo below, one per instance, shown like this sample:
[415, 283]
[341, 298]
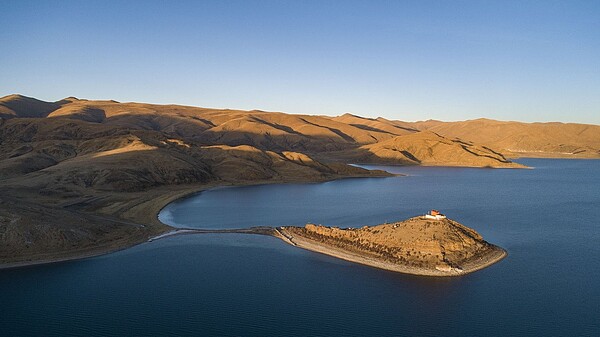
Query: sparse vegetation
[415, 242]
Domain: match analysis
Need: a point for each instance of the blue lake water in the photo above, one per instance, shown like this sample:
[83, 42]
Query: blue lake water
[230, 284]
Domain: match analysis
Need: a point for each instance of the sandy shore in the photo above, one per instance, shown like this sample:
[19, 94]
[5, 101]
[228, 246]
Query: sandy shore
[487, 258]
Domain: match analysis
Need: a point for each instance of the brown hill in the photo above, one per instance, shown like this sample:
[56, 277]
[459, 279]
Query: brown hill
[264, 130]
[21, 106]
[428, 148]
[516, 139]
[416, 246]
[92, 155]
[394, 128]
[34, 233]
[323, 137]
[310, 134]
[512, 139]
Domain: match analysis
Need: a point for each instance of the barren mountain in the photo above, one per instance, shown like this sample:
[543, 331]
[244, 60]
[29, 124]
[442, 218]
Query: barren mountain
[516, 139]
[428, 148]
[20, 106]
[511, 139]
[394, 128]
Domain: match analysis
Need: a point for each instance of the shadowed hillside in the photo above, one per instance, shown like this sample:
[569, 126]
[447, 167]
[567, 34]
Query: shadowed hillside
[271, 131]
[395, 128]
[25, 107]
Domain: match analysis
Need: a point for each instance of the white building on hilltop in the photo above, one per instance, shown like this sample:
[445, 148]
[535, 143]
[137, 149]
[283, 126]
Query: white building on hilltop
[435, 215]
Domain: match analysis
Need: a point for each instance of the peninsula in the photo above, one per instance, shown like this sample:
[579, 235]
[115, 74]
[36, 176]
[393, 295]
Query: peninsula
[429, 245]
[421, 245]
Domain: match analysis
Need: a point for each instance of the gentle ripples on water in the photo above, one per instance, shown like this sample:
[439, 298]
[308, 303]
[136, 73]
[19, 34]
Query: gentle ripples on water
[253, 285]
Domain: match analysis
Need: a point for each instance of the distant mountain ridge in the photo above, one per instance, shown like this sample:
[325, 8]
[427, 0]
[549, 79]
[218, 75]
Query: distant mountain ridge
[311, 134]
[18, 106]
[516, 139]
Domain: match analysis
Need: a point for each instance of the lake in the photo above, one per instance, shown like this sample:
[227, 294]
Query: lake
[233, 284]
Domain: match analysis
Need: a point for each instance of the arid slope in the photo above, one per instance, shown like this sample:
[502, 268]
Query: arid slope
[516, 139]
[428, 148]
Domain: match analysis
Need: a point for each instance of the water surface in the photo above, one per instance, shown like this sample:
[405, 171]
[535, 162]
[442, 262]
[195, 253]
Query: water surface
[230, 284]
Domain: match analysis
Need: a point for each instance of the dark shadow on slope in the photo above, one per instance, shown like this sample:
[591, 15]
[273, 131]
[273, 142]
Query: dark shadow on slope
[501, 159]
[370, 128]
[410, 156]
[336, 131]
[86, 114]
[26, 107]
[279, 127]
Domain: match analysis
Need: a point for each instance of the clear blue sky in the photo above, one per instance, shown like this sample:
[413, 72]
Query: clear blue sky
[408, 60]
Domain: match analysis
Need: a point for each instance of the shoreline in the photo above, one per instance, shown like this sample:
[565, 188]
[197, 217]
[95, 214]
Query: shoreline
[81, 256]
[493, 255]
[151, 207]
[522, 167]
[34, 263]
[146, 213]
[182, 195]
[174, 232]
